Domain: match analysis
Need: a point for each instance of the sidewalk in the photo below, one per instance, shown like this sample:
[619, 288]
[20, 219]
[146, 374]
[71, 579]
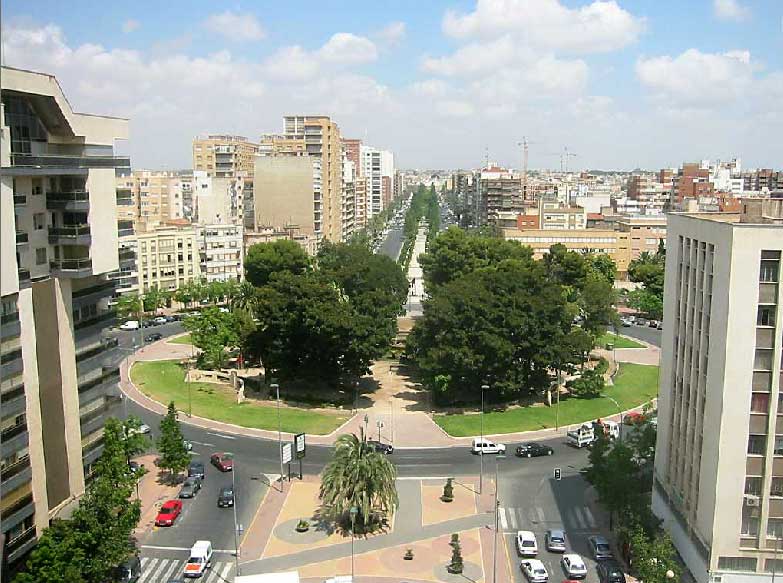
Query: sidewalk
[152, 494]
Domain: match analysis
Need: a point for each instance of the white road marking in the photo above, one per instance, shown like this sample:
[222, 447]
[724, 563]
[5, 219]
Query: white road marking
[540, 513]
[159, 548]
[512, 518]
[148, 571]
[221, 435]
[579, 518]
[590, 517]
[502, 514]
[226, 571]
[169, 574]
[206, 444]
[144, 561]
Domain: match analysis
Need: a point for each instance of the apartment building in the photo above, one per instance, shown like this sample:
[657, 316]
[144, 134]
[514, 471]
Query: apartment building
[221, 251]
[557, 217]
[58, 242]
[360, 202]
[167, 256]
[348, 202]
[616, 244]
[270, 235]
[718, 482]
[646, 233]
[378, 170]
[224, 156]
[147, 197]
[353, 151]
[499, 191]
[284, 194]
[218, 200]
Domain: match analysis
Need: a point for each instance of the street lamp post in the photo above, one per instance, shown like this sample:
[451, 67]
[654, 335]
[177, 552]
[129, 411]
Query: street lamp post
[497, 526]
[354, 511]
[619, 414]
[234, 505]
[276, 388]
[481, 450]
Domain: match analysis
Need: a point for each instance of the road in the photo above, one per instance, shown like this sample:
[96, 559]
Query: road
[650, 335]
[392, 243]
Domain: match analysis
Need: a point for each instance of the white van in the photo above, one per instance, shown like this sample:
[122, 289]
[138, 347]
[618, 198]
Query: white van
[200, 559]
[130, 325]
[482, 446]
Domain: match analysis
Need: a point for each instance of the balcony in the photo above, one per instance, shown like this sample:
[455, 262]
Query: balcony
[22, 238]
[54, 161]
[10, 327]
[106, 318]
[20, 199]
[70, 235]
[76, 200]
[71, 267]
[124, 228]
[14, 514]
[13, 439]
[93, 293]
[15, 475]
[17, 547]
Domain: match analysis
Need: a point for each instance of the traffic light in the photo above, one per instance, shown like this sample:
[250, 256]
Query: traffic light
[558, 474]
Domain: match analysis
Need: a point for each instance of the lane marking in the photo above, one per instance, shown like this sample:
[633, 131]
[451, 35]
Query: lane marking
[149, 571]
[161, 548]
[221, 435]
[540, 513]
[590, 517]
[144, 561]
[226, 571]
[173, 569]
[206, 444]
[503, 523]
[512, 518]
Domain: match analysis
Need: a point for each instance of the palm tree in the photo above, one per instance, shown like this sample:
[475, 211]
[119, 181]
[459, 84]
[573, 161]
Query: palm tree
[360, 477]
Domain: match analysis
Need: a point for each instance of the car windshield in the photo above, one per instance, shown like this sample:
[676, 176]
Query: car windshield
[539, 571]
[555, 539]
[527, 543]
[195, 560]
[602, 546]
[228, 492]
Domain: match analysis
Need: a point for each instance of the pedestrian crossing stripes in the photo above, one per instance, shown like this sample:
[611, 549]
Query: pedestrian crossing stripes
[161, 570]
[534, 517]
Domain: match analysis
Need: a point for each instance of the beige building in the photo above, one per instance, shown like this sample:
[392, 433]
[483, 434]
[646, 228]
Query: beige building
[224, 156]
[555, 216]
[58, 240]
[167, 256]
[221, 252]
[219, 200]
[148, 197]
[646, 233]
[270, 235]
[614, 243]
[284, 194]
[718, 482]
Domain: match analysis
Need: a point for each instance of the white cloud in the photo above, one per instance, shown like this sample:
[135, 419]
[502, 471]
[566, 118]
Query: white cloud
[392, 34]
[454, 108]
[431, 88]
[473, 58]
[601, 26]
[730, 10]
[237, 26]
[698, 79]
[348, 49]
[130, 25]
[291, 64]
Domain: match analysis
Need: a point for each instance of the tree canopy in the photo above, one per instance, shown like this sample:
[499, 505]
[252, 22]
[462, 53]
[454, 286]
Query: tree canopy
[212, 331]
[173, 454]
[263, 260]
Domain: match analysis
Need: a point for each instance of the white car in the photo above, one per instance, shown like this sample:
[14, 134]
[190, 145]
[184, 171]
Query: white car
[144, 429]
[159, 321]
[482, 446]
[574, 566]
[527, 546]
[534, 571]
[130, 325]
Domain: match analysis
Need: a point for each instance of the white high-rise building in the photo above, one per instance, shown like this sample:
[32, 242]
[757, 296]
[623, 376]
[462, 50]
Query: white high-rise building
[378, 170]
[718, 482]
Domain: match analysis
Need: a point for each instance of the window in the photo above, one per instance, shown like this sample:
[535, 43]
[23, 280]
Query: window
[40, 256]
[769, 271]
[750, 526]
[757, 444]
[775, 527]
[39, 221]
[753, 485]
[766, 316]
[779, 445]
[759, 402]
[776, 486]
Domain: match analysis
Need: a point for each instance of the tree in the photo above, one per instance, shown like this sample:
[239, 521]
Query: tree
[595, 299]
[263, 260]
[358, 477]
[155, 298]
[646, 302]
[58, 556]
[603, 265]
[653, 558]
[133, 441]
[649, 270]
[212, 331]
[129, 306]
[588, 386]
[244, 298]
[173, 455]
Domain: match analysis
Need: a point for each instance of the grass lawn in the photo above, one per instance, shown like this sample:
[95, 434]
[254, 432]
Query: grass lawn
[619, 341]
[164, 381]
[185, 339]
[634, 385]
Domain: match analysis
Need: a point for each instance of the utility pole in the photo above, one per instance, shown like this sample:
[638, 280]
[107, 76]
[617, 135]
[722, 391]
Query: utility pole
[524, 143]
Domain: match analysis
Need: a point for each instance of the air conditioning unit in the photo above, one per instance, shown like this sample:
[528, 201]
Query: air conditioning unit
[751, 500]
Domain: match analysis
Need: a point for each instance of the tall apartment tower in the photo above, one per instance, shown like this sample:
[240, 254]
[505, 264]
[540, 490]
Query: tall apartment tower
[58, 242]
[718, 482]
[322, 144]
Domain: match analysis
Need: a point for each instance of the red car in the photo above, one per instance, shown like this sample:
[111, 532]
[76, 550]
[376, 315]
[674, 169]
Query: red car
[222, 461]
[168, 513]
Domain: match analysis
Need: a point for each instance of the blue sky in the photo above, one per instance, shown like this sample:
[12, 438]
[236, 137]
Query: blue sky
[623, 83]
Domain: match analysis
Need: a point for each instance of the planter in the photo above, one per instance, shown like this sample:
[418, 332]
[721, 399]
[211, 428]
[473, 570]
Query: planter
[445, 499]
[454, 569]
[408, 556]
[302, 526]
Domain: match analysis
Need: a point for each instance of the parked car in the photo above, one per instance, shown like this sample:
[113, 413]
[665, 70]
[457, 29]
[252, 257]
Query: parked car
[222, 461]
[190, 487]
[641, 321]
[574, 566]
[380, 447]
[610, 571]
[534, 571]
[653, 323]
[482, 446]
[129, 571]
[187, 444]
[600, 548]
[171, 318]
[154, 337]
[555, 540]
[196, 470]
[144, 429]
[625, 322]
[660, 325]
[160, 320]
[130, 325]
[135, 467]
[226, 497]
[168, 513]
[533, 449]
[527, 546]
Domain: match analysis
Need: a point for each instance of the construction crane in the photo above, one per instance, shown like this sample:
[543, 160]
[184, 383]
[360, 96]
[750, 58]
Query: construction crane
[564, 159]
[524, 143]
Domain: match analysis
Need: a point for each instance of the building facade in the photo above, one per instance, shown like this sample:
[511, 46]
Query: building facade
[718, 482]
[58, 242]
[218, 200]
[222, 252]
[167, 256]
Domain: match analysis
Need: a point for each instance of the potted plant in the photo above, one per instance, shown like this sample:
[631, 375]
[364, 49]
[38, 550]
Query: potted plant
[408, 555]
[448, 491]
[302, 526]
[456, 565]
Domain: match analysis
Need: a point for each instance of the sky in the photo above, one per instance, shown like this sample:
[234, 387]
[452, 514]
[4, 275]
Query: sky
[621, 84]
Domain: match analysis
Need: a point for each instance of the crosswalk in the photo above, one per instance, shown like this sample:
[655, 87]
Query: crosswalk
[154, 570]
[534, 517]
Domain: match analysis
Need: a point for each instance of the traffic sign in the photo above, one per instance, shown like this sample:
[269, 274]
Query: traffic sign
[287, 453]
[558, 473]
[299, 442]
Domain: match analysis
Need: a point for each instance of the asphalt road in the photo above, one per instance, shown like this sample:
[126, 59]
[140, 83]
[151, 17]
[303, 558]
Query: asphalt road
[651, 335]
[393, 243]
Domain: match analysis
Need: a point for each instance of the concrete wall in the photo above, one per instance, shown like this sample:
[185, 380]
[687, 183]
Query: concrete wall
[9, 276]
[101, 185]
[283, 192]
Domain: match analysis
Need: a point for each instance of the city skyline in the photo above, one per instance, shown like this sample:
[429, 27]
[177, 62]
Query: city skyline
[441, 84]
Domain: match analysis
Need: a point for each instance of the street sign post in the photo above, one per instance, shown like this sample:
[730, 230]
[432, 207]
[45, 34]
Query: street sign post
[288, 450]
[300, 448]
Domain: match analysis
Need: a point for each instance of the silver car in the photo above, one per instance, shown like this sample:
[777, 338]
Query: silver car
[555, 540]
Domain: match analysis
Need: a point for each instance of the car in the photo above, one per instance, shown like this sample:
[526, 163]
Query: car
[481, 446]
[144, 429]
[128, 572]
[610, 571]
[660, 326]
[380, 447]
[187, 444]
[160, 320]
[600, 548]
[625, 322]
[574, 566]
[168, 513]
[148, 324]
[527, 546]
[534, 571]
[641, 321]
[135, 467]
[171, 318]
[155, 336]
[226, 497]
[222, 461]
[533, 450]
[196, 470]
[190, 487]
[554, 540]
[653, 323]
[130, 325]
